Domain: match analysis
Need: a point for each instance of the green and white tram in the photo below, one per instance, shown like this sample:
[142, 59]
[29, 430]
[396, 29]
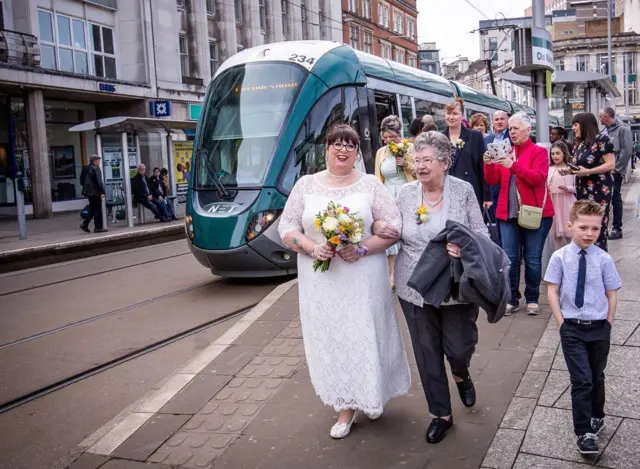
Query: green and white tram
[262, 127]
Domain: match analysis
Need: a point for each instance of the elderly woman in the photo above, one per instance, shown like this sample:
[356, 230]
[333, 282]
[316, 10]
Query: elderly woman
[355, 353]
[393, 172]
[449, 330]
[596, 160]
[466, 152]
[522, 176]
[480, 123]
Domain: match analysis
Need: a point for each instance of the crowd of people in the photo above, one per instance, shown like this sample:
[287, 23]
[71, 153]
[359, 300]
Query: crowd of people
[446, 183]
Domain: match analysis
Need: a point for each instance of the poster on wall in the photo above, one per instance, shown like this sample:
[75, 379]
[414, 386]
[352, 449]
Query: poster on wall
[112, 164]
[63, 162]
[182, 166]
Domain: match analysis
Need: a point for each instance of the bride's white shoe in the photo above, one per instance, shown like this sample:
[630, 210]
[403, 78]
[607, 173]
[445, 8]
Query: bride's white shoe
[341, 430]
[375, 416]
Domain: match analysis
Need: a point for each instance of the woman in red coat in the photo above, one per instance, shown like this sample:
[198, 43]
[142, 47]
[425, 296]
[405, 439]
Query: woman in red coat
[522, 177]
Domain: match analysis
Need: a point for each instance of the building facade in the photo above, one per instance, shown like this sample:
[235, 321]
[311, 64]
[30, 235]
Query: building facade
[386, 28]
[63, 62]
[429, 58]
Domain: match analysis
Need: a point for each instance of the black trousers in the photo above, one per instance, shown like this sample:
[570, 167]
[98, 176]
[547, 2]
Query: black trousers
[95, 212]
[616, 201]
[449, 331]
[586, 349]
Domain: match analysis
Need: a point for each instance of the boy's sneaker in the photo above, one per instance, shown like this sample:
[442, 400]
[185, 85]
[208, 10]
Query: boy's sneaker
[511, 309]
[587, 444]
[597, 425]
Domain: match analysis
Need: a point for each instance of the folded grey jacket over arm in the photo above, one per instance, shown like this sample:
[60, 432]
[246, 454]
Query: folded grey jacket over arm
[480, 276]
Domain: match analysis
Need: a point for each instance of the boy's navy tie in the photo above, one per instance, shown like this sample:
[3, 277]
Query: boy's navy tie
[582, 276]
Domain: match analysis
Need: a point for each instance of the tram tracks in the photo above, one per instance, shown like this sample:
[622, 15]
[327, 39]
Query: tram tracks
[51, 388]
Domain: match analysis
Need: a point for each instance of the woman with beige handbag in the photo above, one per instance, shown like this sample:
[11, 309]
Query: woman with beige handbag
[524, 212]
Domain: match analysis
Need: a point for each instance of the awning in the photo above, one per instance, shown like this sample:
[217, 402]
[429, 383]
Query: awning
[563, 79]
[132, 124]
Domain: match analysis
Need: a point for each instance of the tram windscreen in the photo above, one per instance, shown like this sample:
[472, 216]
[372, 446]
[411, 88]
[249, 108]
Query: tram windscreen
[244, 115]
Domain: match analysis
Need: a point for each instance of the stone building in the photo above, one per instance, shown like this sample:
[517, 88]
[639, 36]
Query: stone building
[63, 62]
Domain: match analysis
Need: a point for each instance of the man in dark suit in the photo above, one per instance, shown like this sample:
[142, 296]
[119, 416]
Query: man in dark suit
[141, 191]
[467, 159]
[93, 189]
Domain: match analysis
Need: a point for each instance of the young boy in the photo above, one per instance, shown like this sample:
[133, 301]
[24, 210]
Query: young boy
[583, 283]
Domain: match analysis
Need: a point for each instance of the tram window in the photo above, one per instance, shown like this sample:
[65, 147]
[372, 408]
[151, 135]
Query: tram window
[307, 153]
[407, 114]
[436, 110]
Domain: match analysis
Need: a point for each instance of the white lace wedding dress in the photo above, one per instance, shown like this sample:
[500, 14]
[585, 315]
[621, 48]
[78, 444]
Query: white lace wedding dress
[353, 345]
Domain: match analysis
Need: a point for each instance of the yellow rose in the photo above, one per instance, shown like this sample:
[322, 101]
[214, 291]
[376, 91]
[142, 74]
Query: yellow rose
[335, 241]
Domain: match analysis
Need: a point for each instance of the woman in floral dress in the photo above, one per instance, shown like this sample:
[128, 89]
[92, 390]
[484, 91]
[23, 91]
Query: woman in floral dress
[596, 160]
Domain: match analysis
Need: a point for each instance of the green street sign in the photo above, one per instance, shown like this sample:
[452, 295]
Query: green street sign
[194, 111]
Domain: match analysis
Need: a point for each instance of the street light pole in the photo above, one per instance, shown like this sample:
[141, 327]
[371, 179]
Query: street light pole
[609, 38]
[538, 77]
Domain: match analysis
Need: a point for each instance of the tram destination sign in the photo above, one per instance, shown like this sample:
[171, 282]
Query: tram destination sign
[542, 48]
[532, 50]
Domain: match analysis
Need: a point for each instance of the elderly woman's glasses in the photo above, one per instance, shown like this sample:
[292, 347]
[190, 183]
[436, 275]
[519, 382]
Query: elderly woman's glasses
[338, 146]
[425, 161]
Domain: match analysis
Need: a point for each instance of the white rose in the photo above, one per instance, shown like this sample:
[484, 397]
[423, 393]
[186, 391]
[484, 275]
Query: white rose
[355, 238]
[330, 224]
[424, 218]
[344, 218]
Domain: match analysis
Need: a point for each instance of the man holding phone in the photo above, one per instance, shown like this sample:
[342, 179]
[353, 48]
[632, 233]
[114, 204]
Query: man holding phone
[500, 124]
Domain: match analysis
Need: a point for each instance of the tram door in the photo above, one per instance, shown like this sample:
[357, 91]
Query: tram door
[381, 105]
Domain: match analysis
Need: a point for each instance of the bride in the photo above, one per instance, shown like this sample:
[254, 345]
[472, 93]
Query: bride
[355, 354]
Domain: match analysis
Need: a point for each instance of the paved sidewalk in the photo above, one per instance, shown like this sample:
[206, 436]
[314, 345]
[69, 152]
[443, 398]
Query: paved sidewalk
[254, 407]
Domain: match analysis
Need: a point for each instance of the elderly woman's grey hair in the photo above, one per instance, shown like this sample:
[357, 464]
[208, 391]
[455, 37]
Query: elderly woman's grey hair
[438, 141]
[521, 117]
[391, 124]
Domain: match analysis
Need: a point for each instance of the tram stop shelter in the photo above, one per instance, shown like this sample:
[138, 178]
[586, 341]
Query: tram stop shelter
[591, 88]
[134, 126]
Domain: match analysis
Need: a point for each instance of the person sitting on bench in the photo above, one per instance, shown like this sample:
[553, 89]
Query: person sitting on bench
[160, 189]
[143, 195]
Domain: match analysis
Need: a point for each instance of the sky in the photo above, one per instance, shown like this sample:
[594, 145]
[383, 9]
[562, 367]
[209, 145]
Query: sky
[449, 22]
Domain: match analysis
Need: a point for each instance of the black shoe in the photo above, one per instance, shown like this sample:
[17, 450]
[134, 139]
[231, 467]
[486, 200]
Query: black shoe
[467, 392]
[174, 218]
[438, 429]
[615, 234]
[597, 425]
[587, 444]
[101, 230]
[85, 228]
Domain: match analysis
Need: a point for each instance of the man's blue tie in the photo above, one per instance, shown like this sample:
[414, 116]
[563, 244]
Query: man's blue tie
[582, 276]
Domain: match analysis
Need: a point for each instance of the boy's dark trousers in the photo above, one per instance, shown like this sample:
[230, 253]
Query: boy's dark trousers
[586, 348]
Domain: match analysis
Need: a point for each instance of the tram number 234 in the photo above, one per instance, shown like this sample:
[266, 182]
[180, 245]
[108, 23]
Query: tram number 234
[302, 59]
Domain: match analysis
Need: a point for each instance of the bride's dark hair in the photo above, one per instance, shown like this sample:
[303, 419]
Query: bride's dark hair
[341, 133]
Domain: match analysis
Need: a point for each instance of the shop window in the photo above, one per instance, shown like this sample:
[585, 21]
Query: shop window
[184, 55]
[213, 57]
[103, 51]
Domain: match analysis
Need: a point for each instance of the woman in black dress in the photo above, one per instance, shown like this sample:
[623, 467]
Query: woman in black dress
[596, 160]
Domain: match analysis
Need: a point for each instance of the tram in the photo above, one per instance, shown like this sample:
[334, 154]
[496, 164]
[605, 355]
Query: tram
[262, 127]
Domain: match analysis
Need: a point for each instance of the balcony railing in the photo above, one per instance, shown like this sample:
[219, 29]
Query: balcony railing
[19, 49]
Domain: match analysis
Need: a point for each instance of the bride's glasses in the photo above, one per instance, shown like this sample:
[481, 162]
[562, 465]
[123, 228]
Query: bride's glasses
[338, 146]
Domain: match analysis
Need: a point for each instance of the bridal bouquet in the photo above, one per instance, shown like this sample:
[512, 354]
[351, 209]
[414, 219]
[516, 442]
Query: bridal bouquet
[340, 227]
[399, 150]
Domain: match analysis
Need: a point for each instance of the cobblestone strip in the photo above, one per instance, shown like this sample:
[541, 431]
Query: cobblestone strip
[210, 432]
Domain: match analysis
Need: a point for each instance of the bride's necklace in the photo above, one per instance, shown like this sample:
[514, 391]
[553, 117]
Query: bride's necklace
[339, 177]
[433, 204]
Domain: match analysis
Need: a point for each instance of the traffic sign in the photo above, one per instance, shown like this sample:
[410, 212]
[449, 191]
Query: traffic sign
[160, 108]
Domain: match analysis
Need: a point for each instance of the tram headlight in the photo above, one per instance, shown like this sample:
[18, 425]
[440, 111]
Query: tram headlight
[260, 222]
[188, 227]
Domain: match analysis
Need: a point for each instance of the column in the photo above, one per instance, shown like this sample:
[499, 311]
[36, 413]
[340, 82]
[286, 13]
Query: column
[313, 19]
[38, 154]
[226, 23]
[295, 21]
[251, 23]
[274, 20]
[198, 17]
